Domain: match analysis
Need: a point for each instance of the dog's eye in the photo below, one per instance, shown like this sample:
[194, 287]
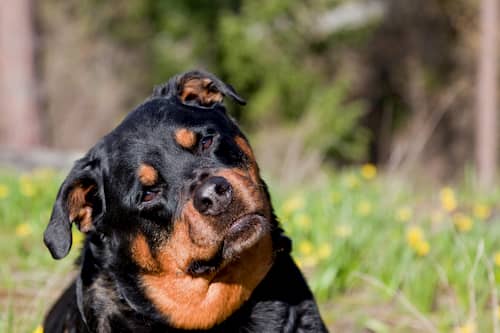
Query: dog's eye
[206, 142]
[149, 195]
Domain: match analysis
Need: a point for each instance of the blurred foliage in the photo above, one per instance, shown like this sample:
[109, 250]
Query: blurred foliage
[424, 258]
[371, 86]
[269, 50]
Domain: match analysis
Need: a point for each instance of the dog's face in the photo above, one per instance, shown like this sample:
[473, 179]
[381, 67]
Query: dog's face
[174, 200]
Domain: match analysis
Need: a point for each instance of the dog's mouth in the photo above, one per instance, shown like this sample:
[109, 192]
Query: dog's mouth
[240, 235]
[243, 233]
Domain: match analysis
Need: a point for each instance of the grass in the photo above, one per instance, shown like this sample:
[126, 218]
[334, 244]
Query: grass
[380, 254]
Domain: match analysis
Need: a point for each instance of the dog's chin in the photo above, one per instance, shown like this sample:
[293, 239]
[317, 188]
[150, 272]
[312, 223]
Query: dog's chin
[241, 235]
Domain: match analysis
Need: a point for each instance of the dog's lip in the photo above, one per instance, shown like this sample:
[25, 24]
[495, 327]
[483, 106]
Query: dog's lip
[243, 233]
[240, 235]
[241, 223]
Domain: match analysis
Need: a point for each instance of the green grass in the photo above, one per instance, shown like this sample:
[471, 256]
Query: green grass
[379, 254]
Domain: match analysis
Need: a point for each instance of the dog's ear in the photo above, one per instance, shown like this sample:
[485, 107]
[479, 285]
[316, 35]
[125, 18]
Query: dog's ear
[80, 200]
[198, 88]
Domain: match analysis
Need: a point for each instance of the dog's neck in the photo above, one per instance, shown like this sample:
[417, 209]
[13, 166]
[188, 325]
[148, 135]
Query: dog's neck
[103, 292]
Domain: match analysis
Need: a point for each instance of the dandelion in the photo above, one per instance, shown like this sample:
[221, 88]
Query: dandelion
[38, 329]
[498, 312]
[4, 191]
[310, 261]
[404, 214]
[23, 230]
[27, 187]
[343, 231]
[44, 173]
[447, 198]
[368, 171]
[482, 211]
[304, 221]
[422, 248]
[324, 251]
[335, 197]
[352, 181]
[414, 236]
[364, 208]
[462, 222]
[78, 237]
[469, 327]
[496, 258]
[299, 262]
[305, 248]
[293, 204]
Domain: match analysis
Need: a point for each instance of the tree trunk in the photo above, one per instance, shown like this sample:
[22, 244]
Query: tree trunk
[19, 121]
[486, 124]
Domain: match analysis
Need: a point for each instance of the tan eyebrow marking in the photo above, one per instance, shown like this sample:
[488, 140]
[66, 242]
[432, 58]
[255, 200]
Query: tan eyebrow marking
[185, 138]
[147, 174]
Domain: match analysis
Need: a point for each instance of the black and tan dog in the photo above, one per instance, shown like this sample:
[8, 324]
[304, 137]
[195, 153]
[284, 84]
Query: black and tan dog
[180, 232]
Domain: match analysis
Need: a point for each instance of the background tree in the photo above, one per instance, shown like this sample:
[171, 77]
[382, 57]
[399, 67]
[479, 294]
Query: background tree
[487, 87]
[20, 123]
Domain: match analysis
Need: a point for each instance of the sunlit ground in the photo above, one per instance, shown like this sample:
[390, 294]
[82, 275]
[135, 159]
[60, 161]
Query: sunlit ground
[379, 254]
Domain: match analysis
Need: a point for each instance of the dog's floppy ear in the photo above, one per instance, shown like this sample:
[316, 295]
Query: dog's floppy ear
[81, 200]
[198, 88]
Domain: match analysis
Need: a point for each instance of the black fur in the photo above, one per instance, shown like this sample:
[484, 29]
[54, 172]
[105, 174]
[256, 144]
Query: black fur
[107, 295]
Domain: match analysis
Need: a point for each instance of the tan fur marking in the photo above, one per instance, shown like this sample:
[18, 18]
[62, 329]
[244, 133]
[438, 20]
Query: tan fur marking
[80, 211]
[147, 175]
[200, 90]
[245, 185]
[245, 148]
[185, 138]
[200, 302]
[141, 254]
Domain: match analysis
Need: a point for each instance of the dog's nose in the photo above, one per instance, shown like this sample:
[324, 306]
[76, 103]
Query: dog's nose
[213, 196]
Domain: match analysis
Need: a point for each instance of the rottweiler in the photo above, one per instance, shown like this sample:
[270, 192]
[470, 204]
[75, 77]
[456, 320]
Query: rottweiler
[180, 233]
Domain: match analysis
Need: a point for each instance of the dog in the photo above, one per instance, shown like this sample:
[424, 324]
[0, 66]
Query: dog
[180, 233]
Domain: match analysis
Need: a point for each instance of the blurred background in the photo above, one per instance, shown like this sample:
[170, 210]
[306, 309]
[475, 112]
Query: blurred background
[330, 82]
[370, 118]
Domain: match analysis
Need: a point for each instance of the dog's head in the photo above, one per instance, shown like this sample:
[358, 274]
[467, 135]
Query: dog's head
[173, 198]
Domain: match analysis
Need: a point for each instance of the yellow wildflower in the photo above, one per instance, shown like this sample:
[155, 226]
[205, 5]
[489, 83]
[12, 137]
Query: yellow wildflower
[299, 262]
[422, 248]
[310, 261]
[27, 187]
[414, 236]
[343, 231]
[38, 329]
[364, 208]
[498, 312]
[44, 173]
[469, 327]
[4, 191]
[368, 171]
[23, 230]
[324, 251]
[352, 181]
[293, 204]
[336, 197]
[305, 248]
[304, 221]
[78, 237]
[496, 258]
[482, 211]
[462, 222]
[404, 214]
[448, 200]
